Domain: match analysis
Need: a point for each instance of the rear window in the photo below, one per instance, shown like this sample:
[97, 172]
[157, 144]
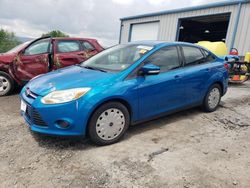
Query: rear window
[192, 55]
[87, 46]
[68, 46]
[209, 56]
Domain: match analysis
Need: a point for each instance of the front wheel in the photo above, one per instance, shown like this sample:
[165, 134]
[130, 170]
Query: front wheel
[108, 123]
[212, 99]
[6, 84]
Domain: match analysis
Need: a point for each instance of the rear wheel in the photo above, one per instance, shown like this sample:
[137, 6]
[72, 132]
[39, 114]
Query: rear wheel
[212, 99]
[109, 123]
[6, 84]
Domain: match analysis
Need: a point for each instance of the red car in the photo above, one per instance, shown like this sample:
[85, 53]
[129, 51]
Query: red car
[40, 56]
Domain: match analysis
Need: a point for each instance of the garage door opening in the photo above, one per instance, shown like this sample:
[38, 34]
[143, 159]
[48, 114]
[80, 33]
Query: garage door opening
[144, 31]
[204, 28]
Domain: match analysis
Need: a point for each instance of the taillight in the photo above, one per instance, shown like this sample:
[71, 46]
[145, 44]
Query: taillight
[226, 66]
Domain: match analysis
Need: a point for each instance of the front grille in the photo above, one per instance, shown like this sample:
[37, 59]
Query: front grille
[35, 118]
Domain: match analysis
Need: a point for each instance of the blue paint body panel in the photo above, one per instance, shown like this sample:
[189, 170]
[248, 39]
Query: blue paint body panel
[146, 96]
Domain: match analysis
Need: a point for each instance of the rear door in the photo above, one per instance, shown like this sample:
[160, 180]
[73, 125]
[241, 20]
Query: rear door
[165, 91]
[33, 60]
[67, 53]
[198, 69]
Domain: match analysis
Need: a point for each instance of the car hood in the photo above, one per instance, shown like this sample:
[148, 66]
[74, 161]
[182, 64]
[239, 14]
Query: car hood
[67, 78]
[7, 58]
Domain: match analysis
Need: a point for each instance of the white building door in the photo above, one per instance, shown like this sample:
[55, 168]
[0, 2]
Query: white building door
[144, 31]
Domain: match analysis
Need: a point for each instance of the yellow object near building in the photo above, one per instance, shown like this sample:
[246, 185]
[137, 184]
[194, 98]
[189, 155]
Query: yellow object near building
[247, 57]
[218, 48]
[244, 68]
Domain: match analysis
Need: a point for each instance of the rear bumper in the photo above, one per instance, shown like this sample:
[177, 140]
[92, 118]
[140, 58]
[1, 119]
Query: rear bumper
[225, 86]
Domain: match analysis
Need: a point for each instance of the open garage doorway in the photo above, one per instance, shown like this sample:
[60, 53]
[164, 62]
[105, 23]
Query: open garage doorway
[203, 28]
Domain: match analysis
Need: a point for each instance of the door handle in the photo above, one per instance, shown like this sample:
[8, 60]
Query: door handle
[41, 60]
[177, 76]
[24, 62]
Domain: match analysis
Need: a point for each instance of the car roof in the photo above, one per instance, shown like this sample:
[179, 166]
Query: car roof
[65, 38]
[156, 43]
[72, 38]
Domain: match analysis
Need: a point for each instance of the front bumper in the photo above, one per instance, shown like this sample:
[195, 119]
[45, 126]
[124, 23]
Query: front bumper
[44, 119]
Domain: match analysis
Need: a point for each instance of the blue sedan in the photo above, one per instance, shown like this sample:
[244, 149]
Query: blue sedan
[121, 86]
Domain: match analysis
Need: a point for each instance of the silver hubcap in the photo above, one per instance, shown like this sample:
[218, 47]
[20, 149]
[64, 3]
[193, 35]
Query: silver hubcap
[110, 124]
[4, 85]
[214, 98]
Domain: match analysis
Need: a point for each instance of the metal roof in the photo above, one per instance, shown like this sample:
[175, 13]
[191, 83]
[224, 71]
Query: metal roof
[211, 5]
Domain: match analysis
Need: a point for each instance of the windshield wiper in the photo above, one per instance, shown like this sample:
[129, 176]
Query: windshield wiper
[93, 68]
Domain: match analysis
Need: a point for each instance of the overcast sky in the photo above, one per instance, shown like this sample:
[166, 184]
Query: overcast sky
[84, 18]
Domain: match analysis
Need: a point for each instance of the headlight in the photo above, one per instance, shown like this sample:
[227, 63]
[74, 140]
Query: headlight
[62, 96]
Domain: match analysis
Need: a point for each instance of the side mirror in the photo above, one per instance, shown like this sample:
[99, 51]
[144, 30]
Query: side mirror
[149, 69]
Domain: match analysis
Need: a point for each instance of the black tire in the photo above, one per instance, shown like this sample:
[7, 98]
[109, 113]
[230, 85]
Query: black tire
[112, 108]
[207, 107]
[6, 90]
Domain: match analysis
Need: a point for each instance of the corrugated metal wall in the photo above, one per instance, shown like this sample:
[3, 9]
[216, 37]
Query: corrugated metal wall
[242, 39]
[169, 23]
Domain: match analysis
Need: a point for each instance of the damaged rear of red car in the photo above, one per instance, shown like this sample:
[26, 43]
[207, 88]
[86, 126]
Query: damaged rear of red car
[40, 56]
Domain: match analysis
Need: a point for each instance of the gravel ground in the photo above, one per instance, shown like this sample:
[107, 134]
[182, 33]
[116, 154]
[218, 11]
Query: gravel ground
[187, 149]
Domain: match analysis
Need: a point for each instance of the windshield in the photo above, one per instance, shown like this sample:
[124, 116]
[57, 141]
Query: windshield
[18, 47]
[117, 58]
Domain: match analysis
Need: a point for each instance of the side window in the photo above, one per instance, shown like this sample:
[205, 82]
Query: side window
[209, 57]
[166, 58]
[68, 46]
[39, 47]
[87, 46]
[192, 55]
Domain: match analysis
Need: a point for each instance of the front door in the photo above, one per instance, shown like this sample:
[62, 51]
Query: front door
[33, 60]
[163, 92]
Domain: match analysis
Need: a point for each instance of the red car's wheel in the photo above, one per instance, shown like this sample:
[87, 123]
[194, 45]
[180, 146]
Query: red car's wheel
[6, 84]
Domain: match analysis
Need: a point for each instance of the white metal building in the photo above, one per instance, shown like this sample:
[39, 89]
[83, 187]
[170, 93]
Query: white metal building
[227, 21]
